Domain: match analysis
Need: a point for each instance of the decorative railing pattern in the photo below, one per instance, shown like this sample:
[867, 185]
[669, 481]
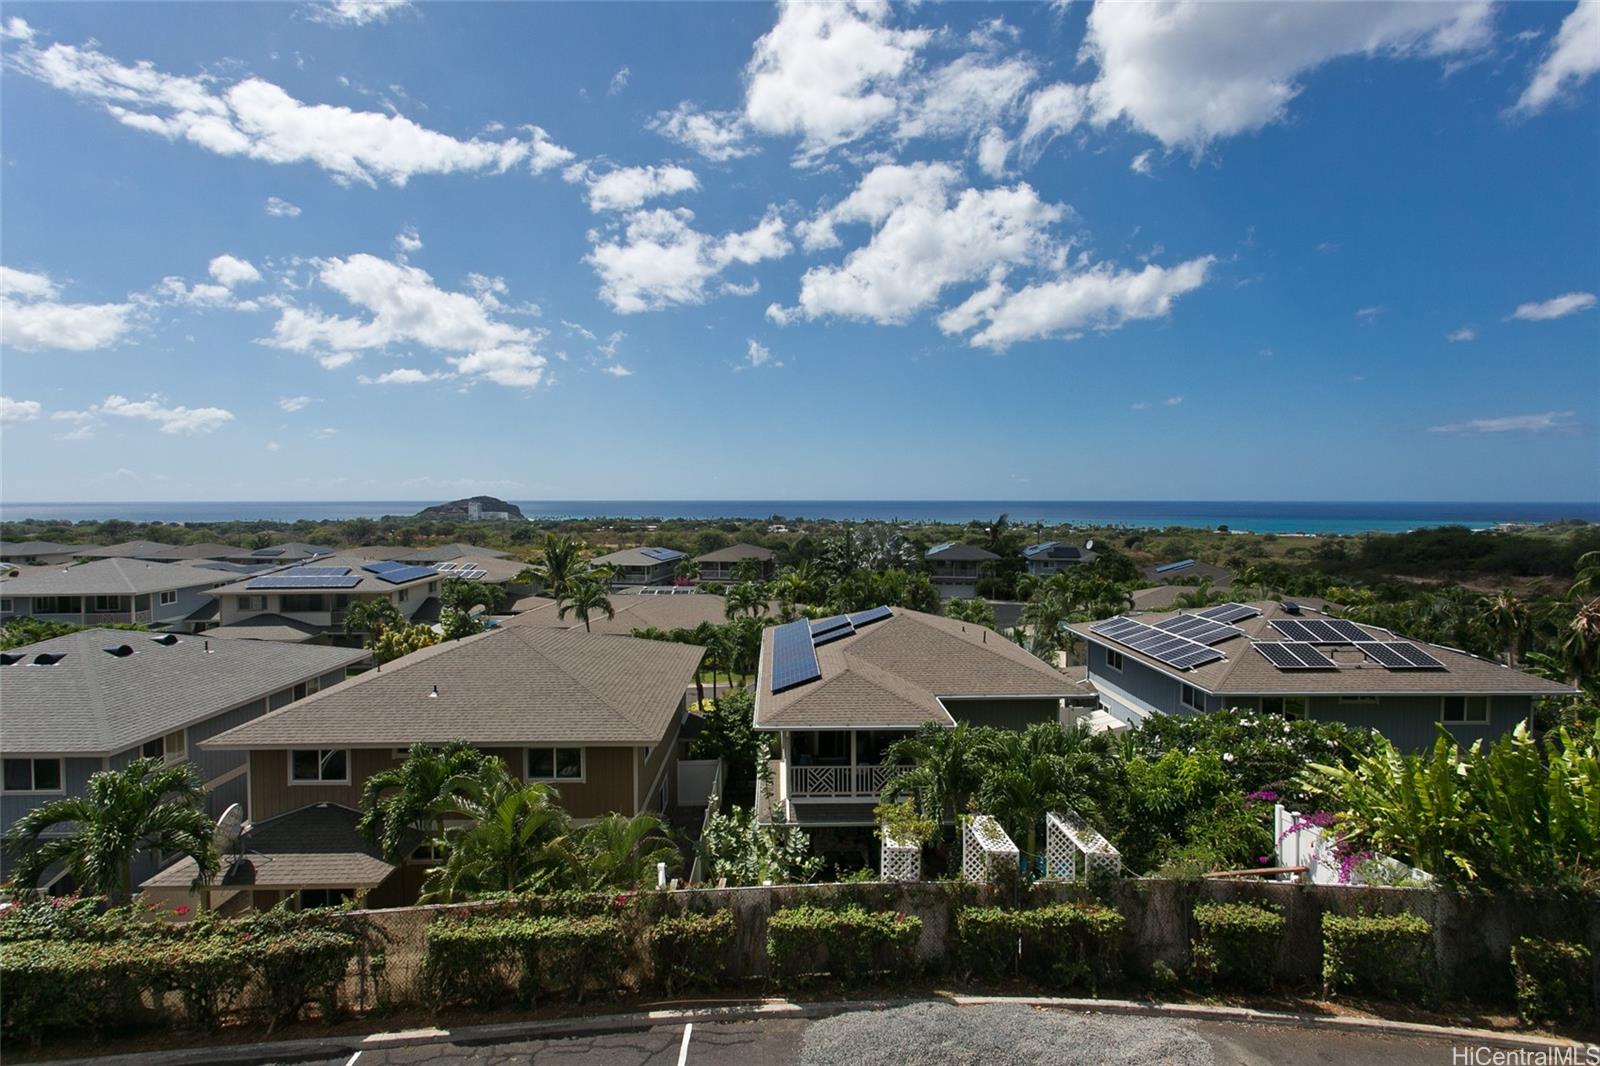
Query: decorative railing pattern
[836, 780]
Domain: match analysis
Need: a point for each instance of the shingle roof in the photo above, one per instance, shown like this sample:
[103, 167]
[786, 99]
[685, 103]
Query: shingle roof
[1188, 570]
[10, 549]
[632, 612]
[1246, 672]
[959, 552]
[174, 553]
[127, 549]
[510, 686]
[95, 703]
[110, 577]
[266, 627]
[895, 672]
[638, 557]
[1054, 549]
[313, 847]
[443, 553]
[737, 553]
[287, 552]
[370, 582]
[496, 570]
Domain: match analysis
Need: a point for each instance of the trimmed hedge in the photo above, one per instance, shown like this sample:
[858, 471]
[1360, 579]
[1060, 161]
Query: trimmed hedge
[1554, 980]
[484, 961]
[1236, 944]
[1391, 955]
[846, 942]
[691, 951]
[1063, 944]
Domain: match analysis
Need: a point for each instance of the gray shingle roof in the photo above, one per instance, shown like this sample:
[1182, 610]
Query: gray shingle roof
[737, 553]
[95, 703]
[127, 549]
[10, 549]
[266, 627]
[369, 583]
[1246, 672]
[632, 612]
[894, 672]
[314, 847]
[637, 557]
[510, 686]
[110, 577]
[958, 552]
[443, 553]
[1192, 572]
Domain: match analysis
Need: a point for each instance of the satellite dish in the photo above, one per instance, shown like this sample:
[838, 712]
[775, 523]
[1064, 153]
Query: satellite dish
[1089, 545]
[229, 826]
[476, 610]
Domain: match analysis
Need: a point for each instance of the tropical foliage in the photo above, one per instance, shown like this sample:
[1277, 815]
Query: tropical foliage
[585, 595]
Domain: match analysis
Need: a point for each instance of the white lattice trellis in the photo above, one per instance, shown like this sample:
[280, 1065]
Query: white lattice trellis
[900, 860]
[1075, 851]
[985, 847]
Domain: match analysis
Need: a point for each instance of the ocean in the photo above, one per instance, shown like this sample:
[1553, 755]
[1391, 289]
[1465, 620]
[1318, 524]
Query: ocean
[1257, 516]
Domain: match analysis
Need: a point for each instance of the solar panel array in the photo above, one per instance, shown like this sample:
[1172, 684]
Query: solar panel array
[1293, 655]
[662, 555]
[1228, 613]
[1169, 648]
[1398, 655]
[318, 571]
[867, 617]
[794, 657]
[827, 625]
[1199, 629]
[288, 581]
[399, 573]
[1321, 631]
[1167, 568]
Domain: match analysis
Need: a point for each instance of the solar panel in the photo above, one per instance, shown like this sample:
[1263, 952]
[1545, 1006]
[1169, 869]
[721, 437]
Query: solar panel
[383, 566]
[401, 574]
[1170, 648]
[819, 639]
[1188, 659]
[663, 555]
[1203, 630]
[267, 551]
[794, 657]
[1167, 568]
[1229, 612]
[1399, 655]
[824, 625]
[317, 571]
[1293, 655]
[285, 581]
[866, 618]
[1348, 629]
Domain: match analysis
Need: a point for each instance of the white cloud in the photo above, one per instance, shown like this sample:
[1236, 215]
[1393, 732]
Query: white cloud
[188, 420]
[1559, 307]
[1141, 162]
[660, 260]
[972, 92]
[280, 208]
[32, 318]
[272, 446]
[1193, 71]
[993, 149]
[16, 29]
[619, 81]
[924, 242]
[404, 305]
[356, 12]
[1053, 110]
[403, 376]
[1465, 333]
[291, 404]
[201, 294]
[1543, 422]
[1099, 298]
[628, 187]
[828, 73]
[1140, 405]
[757, 355]
[617, 370]
[259, 120]
[230, 271]
[1172, 401]
[716, 135]
[1572, 59]
[1368, 315]
[408, 240]
[14, 411]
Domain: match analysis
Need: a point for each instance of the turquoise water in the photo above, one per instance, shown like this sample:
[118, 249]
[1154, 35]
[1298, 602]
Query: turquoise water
[1258, 516]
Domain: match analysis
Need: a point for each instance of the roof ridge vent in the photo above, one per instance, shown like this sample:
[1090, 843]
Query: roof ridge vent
[166, 641]
[121, 651]
[48, 658]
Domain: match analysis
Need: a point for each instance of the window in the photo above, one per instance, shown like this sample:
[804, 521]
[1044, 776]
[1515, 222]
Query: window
[108, 604]
[319, 766]
[404, 595]
[1469, 710]
[429, 853]
[1192, 698]
[1113, 660]
[57, 604]
[33, 775]
[252, 603]
[300, 691]
[169, 598]
[170, 747]
[5, 606]
[303, 603]
[324, 897]
[555, 764]
[1288, 706]
[1358, 701]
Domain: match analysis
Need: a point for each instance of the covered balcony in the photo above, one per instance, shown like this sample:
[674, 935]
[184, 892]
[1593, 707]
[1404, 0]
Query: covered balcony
[833, 764]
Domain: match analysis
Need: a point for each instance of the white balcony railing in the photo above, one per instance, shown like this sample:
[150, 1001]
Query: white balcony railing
[816, 781]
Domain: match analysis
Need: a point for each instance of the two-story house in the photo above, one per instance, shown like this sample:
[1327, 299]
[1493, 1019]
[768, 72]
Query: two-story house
[595, 717]
[37, 553]
[1052, 556]
[122, 591]
[640, 566]
[1287, 659]
[309, 602]
[954, 568]
[725, 564]
[97, 699]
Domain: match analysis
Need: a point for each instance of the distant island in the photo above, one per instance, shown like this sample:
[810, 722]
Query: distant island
[473, 509]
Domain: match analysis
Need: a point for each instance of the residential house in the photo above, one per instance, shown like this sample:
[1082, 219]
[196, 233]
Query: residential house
[97, 699]
[597, 717]
[38, 552]
[633, 609]
[125, 591]
[284, 554]
[1187, 572]
[309, 603]
[839, 691]
[640, 566]
[444, 553]
[153, 552]
[725, 564]
[1052, 556]
[1288, 659]
[127, 549]
[954, 568]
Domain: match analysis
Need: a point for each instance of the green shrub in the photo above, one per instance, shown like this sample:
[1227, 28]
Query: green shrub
[1390, 955]
[302, 967]
[1163, 978]
[1236, 944]
[1062, 944]
[691, 950]
[51, 984]
[483, 961]
[1554, 980]
[846, 942]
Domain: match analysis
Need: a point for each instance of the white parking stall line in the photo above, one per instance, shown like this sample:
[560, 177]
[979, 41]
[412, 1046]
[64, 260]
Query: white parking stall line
[683, 1049]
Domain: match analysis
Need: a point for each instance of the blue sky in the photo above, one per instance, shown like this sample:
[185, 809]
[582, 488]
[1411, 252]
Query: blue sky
[377, 251]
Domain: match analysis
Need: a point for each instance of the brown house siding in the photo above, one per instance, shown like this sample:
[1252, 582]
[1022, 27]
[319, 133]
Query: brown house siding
[662, 754]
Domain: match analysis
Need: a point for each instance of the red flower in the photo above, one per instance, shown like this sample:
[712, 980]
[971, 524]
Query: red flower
[180, 910]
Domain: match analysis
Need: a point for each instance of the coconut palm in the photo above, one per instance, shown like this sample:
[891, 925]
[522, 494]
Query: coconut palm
[510, 839]
[146, 807]
[585, 595]
[619, 852]
[1586, 585]
[1507, 618]
[559, 564]
[796, 585]
[939, 768]
[406, 801]
[1044, 768]
[687, 571]
[975, 611]
[1580, 643]
[369, 618]
[464, 594]
[746, 598]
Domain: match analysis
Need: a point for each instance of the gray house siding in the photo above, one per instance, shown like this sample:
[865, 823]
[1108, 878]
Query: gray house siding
[1016, 714]
[228, 793]
[76, 776]
[212, 763]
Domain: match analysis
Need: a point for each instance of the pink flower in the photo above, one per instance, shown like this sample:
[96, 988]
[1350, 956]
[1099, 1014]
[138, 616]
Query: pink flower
[180, 910]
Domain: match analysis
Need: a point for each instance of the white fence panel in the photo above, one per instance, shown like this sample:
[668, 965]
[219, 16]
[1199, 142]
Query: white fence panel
[695, 780]
[1303, 843]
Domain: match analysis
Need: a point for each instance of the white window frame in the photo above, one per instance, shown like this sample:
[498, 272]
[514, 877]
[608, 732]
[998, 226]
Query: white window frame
[427, 853]
[168, 598]
[1466, 708]
[403, 595]
[322, 754]
[1358, 701]
[1114, 660]
[33, 774]
[583, 764]
[1186, 692]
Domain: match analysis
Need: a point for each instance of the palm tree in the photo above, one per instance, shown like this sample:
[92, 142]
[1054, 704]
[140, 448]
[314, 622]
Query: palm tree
[561, 556]
[406, 800]
[795, 585]
[974, 611]
[1200, 596]
[1580, 643]
[619, 852]
[1586, 585]
[939, 768]
[995, 539]
[1508, 619]
[464, 594]
[687, 571]
[584, 595]
[369, 618]
[1045, 768]
[747, 598]
[146, 807]
[510, 842]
